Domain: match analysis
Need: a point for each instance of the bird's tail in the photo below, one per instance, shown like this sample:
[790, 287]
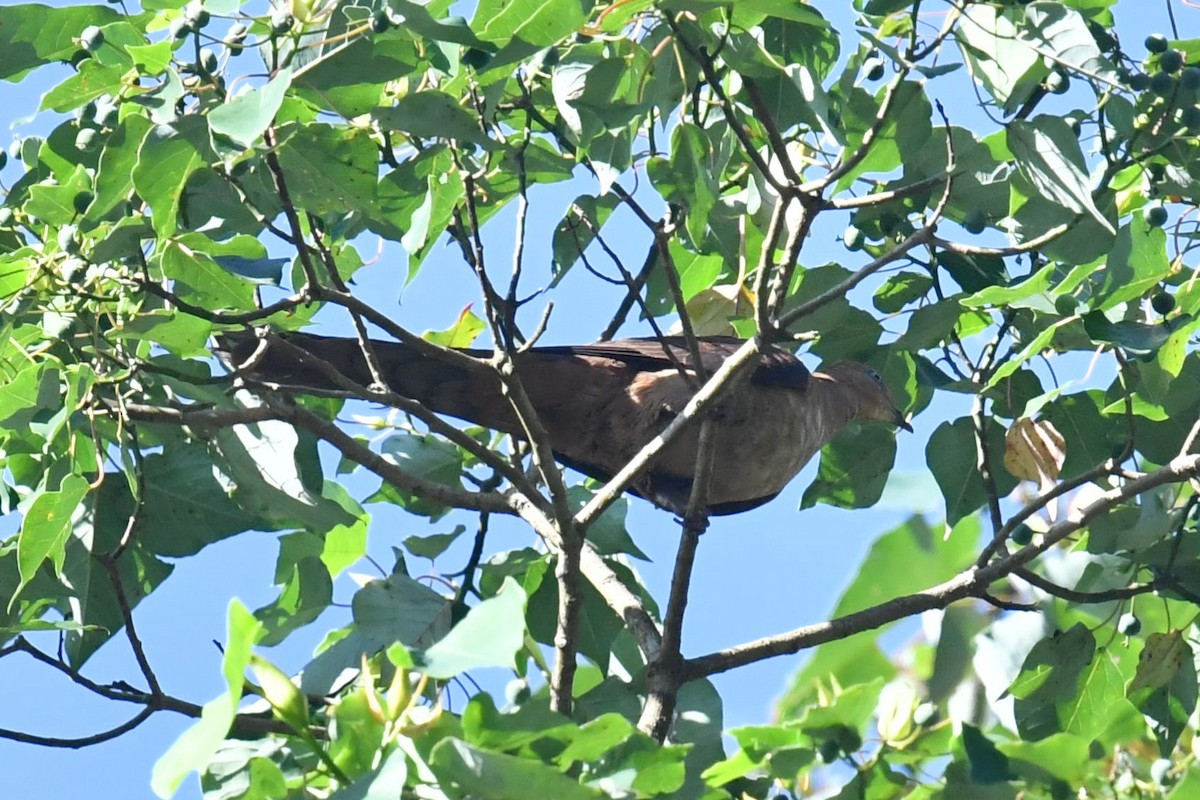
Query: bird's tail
[306, 362]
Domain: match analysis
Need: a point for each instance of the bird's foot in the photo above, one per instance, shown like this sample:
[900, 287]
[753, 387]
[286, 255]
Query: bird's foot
[695, 524]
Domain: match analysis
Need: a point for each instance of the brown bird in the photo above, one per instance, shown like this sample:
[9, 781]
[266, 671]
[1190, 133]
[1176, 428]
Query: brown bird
[601, 403]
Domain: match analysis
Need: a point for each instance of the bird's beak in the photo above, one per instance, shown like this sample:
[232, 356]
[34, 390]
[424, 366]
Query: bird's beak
[901, 422]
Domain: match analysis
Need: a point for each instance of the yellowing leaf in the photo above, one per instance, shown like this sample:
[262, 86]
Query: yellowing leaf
[1034, 450]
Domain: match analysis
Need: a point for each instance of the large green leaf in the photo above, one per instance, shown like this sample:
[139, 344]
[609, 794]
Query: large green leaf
[495, 776]
[489, 636]
[1049, 157]
[953, 459]
[33, 34]
[193, 750]
[929, 558]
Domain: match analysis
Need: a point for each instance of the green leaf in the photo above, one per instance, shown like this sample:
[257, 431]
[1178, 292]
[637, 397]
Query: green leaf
[952, 458]
[608, 533]
[929, 558]
[47, 525]
[200, 279]
[166, 160]
[988, 764]
[182, 334]
[433, 545]
[1003, 296]
[33, 34]
[305, 596]
[462, 333]
[900, 290]
[1135, 265]
[243, 118]
[489, 636]
[33, 389]
[1164, 688]
[350, 84]
[399, 609]
[194, 749]
[493, 776]
[1048, 156]
[186, 504]
[1048, 690]
[427, 456]
[386, 781]
[277, 476]
[578, 229]
[91, 81]
[1135, 337]
[1007, 67]
[280, 692]
[537, 22]
[854, 468]
[329, 169]
[1061, 34]
[431, 115]
[114, 180]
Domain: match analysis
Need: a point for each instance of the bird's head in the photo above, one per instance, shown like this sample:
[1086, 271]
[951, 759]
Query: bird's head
[864, 392]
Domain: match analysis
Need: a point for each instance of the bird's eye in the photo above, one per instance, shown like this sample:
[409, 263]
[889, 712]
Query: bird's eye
[873, 375]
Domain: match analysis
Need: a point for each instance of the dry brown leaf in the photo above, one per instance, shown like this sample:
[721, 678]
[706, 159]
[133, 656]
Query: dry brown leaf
[1034, 451]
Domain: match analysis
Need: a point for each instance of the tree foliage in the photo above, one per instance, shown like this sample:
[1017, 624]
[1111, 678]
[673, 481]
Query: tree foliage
[1026, 256]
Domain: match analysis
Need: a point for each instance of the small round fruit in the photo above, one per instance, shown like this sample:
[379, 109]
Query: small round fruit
[1160, 771]
[1155, 214]
[87, 140]
[380, 21]
[91, 38]
[1162, 84]
[1129, 625]
[853, 238]
[1190, 79]
[1190, 118]
[517, 692]
[3, 158]
[873, 68]
[235, 38]
[81, 201]
[195, 13]
[281, 21]
[68, 239]
[1058, 82]
[208, 60]
[1139, 81]
[1163, 303]
[926, 714]
[106, 115]
[85, 113]
[475, 58]
[829, 750]
[1170, 62]
[1156, 43]
[179, 28]
[31, 148]
[1066, 305]
[1021, 535]
[975, 221]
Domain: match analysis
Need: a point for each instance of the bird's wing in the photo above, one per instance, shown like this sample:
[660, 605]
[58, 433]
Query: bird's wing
[776, 367]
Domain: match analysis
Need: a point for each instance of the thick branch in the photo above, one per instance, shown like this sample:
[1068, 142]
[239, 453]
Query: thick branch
[972, 582]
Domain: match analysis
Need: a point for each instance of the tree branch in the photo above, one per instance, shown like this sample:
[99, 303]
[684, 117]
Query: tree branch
[972, 582]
